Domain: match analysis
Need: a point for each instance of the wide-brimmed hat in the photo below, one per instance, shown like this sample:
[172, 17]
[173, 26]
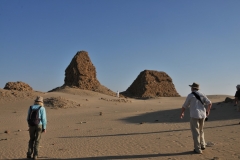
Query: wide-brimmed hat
[39, 99]
[194, 85]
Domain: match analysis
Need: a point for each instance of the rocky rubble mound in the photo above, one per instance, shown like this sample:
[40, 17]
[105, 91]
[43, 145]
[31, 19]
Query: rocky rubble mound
[121, 100]
[81, 74]
[19, 86]
[151, 84]
[13, 95]
[228, 100]
[59, 102]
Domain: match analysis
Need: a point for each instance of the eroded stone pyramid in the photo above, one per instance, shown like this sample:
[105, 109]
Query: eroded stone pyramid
[81, 72]
[151, 84]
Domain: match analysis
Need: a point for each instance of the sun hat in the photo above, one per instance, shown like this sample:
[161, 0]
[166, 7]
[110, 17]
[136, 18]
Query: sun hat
[39, 99]
[194, 85]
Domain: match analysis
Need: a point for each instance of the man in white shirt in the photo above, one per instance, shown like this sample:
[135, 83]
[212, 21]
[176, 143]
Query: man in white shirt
[195, 101]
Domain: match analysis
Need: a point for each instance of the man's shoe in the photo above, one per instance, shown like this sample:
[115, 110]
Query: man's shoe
[29, 156]
[198, 152]
[202, 148]
[35, 157]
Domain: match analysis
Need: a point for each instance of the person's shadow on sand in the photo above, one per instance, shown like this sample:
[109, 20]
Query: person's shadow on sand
[219, 111]
[122, 157]
[223, 111]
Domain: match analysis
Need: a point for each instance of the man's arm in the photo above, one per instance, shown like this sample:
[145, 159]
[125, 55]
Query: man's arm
[236, 101]
[209, 108]
[182, 113]
[44, 119]
[185, 105]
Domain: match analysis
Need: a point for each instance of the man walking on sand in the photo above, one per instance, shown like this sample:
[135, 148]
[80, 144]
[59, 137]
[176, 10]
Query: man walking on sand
[195, 101]
[237, 98]
[37, 121]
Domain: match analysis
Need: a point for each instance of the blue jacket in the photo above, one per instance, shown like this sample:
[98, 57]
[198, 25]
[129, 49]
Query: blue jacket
[42, 115]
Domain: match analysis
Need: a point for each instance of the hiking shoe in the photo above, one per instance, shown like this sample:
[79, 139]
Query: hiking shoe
[35, 157]
[198, 152]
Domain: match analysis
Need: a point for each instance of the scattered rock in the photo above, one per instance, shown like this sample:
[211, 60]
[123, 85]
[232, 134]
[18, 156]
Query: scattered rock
[82, 122]
[7, 131]
[117, 100]
[3, 139]
[210, 144]
[100, 113]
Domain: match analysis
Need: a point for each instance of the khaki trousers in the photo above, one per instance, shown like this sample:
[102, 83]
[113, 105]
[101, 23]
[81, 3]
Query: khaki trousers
[197, 133]
[35, 136]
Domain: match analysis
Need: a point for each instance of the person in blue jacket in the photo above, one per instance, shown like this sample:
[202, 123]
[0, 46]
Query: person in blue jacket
[36, 125]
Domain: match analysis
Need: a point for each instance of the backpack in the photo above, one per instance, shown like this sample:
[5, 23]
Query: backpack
[33, 117]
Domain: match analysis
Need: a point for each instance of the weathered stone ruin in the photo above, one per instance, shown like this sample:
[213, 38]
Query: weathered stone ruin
[82, 74]
[150, 84]
[18, 86]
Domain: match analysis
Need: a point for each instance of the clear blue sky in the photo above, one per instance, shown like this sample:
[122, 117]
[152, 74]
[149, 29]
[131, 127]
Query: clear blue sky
[192, 41]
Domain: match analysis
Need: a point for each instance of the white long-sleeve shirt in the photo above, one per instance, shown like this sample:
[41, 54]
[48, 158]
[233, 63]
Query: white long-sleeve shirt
[197, 109]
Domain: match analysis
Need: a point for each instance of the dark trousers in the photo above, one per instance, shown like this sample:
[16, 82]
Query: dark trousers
[35, 136]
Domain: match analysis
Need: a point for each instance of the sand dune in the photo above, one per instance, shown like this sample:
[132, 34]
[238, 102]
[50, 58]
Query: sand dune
[126, 129]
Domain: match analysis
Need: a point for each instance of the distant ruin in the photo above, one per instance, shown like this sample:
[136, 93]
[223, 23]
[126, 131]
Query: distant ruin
[82, 74]
[150, 84]
[18, 86]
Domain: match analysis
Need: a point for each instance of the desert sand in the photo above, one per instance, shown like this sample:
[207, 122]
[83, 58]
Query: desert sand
[94, 126]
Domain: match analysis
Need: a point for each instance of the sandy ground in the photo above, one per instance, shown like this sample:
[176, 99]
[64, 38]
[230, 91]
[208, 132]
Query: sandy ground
[127, 129]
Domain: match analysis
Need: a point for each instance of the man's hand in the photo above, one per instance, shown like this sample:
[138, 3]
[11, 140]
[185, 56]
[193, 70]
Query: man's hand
[182, 115]
[207, 113]
[44, 131]
[208, 109]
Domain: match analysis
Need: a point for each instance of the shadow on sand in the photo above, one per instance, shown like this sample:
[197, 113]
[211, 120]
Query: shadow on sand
[223, 111]
[123, 157]
[219, 111]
